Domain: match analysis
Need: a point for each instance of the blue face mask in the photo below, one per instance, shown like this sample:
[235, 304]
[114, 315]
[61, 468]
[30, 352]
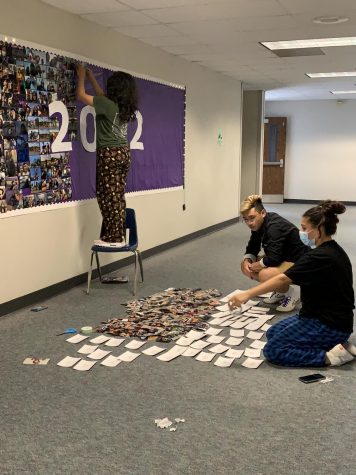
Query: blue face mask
[304, 237]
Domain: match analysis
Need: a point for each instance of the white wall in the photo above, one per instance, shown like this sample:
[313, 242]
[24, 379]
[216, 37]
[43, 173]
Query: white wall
[321, 148]
[47, 247]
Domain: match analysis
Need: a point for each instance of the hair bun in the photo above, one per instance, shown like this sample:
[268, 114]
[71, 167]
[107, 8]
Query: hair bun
[332, 207]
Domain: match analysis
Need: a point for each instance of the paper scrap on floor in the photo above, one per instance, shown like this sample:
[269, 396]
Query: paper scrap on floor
[113, 342]
[172, 353]
[253, 352]
[100, 339]
[205, 356]
[254, 335]
[215, 339]
[252, 363]
[153, 350]
[200, 344]
[77, 338]
[223, 362]
[195, 334]
[128, 356]
[191, 352]
[135, 344]
[213, 331]
[84, 365]
[237, 333]
[184, 341]
[68, 361]
[266, 327]
[258, 344]
[231, 353]
[98, 354]
[87, 349]
[233, 341]
[36, 361]
[111, 361]
[218, 348]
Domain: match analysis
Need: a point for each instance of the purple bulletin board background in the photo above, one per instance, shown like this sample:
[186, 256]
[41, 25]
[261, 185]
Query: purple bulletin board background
[161, 163]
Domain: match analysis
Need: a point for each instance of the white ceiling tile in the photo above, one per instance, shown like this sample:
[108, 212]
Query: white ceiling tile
[147, 31]
[87, 6]
[185, 49]
[144, 4]
[170, 40]
[323, 7]
[118, 19]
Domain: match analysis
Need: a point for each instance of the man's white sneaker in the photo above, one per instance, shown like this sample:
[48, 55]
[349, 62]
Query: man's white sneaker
[339, 356]
[276, 297]
[288, 304]
[101, 243]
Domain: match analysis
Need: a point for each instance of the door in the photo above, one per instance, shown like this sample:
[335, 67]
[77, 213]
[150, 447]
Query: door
[274, 151]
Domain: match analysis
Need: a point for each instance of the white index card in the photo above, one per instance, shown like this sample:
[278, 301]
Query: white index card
[184, 341]
[128, 356]
[251, 363]
[215, 339]
[228, 296]
[195, 334]
[111, 361]
[172, 353]
[220, 314]
[153, 350]
[259, 309]
[232, 341]
[113, 342]
[87, 349]
[237, 333]
[84, 365]
[240, 324]
[227, 323]
[265, 327]
[218, 348]
[255, 325]
[254, 335]
[213, 331]
[258, 344]
[205, 356]
[98, 354]
[223, 308]
[76, 338]
[224, 362]
[266, 295]
[191, 352]
[231, 353]
[199, 344]
[253, 352]
[68, 361]
[100, 339]
[135, 344]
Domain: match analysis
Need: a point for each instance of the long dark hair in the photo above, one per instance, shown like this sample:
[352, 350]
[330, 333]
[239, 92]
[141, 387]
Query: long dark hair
[325, 215]
[121, 88]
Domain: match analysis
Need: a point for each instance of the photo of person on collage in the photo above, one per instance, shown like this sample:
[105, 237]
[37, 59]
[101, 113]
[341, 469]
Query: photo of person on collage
[30, 175]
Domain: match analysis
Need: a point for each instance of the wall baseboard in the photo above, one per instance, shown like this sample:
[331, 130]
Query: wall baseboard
[288, 200]
[55, 289]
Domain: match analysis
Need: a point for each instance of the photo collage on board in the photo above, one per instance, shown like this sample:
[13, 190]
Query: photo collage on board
[30, 174]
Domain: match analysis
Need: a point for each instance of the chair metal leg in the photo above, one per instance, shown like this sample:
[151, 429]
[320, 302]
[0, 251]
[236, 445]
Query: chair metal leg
[140, 263]
[136, 271]
[90, 272]
[98, 264]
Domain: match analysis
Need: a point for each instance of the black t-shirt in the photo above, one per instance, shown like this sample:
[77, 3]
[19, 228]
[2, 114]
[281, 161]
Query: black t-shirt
[324, 275]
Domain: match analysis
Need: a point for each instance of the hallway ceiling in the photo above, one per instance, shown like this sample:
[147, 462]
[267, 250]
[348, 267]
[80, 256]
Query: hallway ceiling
[225, 36]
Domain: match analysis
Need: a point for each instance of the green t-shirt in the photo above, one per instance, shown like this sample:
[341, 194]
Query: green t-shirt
[109, 131]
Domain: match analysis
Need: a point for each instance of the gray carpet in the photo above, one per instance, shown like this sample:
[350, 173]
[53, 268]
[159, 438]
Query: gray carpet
[238, 421]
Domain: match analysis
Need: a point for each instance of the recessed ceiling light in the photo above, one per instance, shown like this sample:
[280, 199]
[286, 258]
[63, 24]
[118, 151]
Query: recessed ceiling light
[332, 75]
[344, 92]
[314, 43]
[329, 20]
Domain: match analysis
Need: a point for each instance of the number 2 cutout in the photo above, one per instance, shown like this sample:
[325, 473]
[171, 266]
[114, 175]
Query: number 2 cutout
[135, 144]
[58, 144]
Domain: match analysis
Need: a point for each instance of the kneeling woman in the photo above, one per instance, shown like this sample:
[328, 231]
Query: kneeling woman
[318, 335]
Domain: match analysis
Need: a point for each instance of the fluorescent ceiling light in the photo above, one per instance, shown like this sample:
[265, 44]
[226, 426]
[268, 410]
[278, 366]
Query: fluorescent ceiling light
[316, 43]
[332, 75]
[344, 92]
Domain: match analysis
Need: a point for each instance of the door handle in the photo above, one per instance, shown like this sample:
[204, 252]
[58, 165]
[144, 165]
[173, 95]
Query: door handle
[281, 162]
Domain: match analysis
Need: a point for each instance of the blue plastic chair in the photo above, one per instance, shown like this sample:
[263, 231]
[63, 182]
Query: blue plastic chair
[132, 246]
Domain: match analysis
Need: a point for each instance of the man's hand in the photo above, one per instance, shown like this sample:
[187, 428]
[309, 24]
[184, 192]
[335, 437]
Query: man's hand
[256, 266]
[237, 300]
[80, 70]
[246, 268]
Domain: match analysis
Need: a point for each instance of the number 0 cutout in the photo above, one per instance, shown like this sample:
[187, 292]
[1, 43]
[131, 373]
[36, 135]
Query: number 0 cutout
[89, 146]
[58, 144]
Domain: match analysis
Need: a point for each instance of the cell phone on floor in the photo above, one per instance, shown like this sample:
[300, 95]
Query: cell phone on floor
[312, 378]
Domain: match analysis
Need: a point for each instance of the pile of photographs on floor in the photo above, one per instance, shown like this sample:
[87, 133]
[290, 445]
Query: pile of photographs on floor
[165, 316]
[30, 175]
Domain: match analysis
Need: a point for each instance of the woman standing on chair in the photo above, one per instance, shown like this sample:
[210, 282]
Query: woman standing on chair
[113, 112]
[318, 336]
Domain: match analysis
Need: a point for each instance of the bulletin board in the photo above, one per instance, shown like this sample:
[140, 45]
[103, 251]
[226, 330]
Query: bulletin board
[47, 138]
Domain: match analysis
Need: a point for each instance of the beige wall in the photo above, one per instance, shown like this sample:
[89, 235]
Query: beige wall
[47, 247]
